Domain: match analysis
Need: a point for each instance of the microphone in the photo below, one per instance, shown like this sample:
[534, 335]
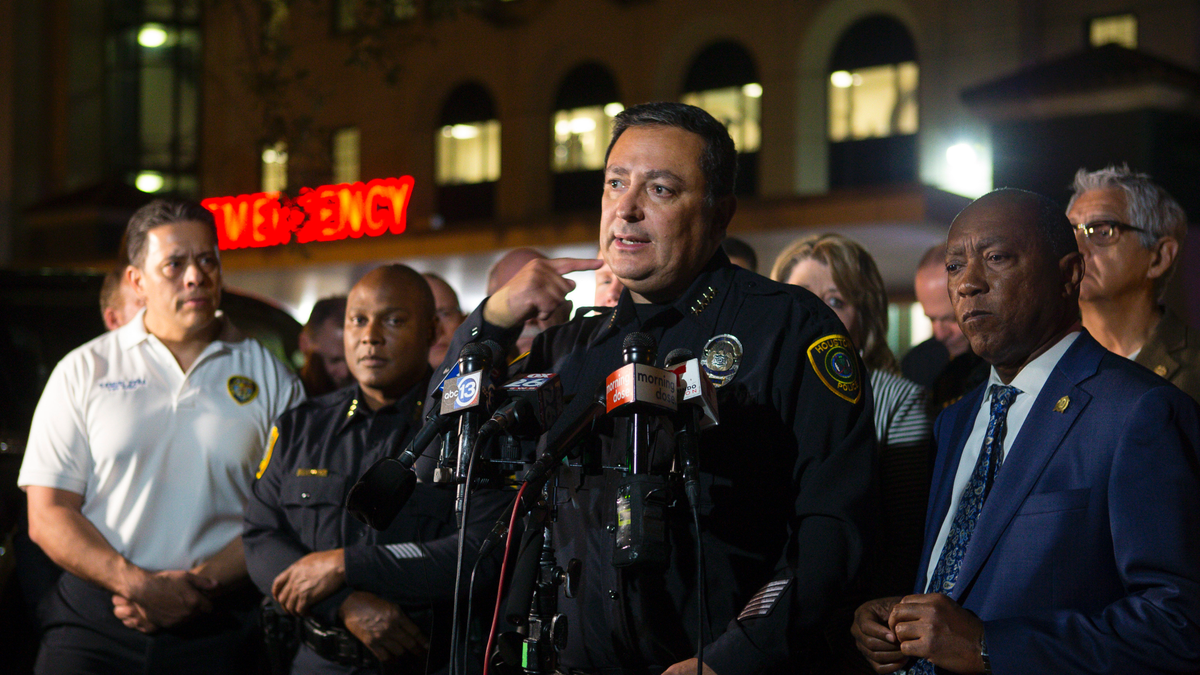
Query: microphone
[534, 403]
[695, 389]
[462, 397]
[576, 419]
[468, 396]
[699, 406]
[387, 485]
[639, 389]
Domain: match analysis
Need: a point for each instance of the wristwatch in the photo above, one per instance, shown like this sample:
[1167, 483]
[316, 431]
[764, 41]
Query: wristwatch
[983, 654]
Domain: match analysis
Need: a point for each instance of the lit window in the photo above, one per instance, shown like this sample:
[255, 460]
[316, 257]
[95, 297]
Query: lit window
[873, 102]
[468, 153]
[724, 81]
[345, 155]
[581, 137]
[1118, 29]
[274, 167]
[735, 107]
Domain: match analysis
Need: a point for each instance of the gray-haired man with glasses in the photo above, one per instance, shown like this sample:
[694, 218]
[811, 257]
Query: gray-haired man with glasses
[1130, 232]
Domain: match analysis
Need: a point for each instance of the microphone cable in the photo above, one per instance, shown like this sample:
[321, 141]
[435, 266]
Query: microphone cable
[701, 583]
[512, 522]
[458, 651]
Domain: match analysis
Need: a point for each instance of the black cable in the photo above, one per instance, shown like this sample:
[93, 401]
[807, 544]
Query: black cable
[455, 632]
[471, 603]
[702, 610]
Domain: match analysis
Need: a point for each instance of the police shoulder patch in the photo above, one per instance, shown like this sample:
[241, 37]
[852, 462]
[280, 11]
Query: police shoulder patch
[832, 357]
[242, 389]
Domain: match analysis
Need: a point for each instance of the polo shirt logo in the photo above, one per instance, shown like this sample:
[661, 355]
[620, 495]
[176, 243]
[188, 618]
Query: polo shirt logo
[122, 385]
[242, 389]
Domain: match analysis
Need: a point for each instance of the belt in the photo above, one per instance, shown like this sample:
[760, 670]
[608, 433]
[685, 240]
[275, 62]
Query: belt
[336, 644]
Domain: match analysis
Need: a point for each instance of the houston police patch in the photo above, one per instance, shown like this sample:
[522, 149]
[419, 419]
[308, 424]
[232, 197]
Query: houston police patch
[833, 358]
[242, 389]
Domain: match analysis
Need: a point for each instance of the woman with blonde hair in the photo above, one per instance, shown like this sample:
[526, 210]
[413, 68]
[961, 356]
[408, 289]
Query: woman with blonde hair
[843, 274]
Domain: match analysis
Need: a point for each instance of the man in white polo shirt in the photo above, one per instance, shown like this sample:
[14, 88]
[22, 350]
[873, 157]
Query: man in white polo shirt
[139, 463]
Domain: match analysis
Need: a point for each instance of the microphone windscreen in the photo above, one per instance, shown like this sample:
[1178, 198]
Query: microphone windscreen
[639, 348]
[677, 356]
[496, 351]
[477, 350]
[381, 492]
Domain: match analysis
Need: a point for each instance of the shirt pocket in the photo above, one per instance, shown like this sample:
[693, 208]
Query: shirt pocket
[313, 505]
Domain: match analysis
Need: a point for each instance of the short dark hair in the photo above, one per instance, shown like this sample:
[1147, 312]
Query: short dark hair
[156, 214]
[718, 160]
[332, 308]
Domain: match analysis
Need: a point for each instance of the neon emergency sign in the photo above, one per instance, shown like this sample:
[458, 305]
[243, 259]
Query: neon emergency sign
[326, 213]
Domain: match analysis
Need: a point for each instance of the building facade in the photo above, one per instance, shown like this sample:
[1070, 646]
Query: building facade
[850, 115]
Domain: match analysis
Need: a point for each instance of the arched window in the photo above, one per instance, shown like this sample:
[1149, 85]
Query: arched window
[468, 153]
[724, 81]
[584, 109]
[873, 116]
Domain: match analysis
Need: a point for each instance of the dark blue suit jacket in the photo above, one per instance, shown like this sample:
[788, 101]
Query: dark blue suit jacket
[1086, 556]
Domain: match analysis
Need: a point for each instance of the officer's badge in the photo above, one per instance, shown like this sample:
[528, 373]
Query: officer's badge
[722, 356]
[833, 358]
[242, 389]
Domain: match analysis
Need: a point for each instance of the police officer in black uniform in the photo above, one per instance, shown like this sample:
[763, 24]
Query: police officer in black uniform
[363, 597]
[784, 478]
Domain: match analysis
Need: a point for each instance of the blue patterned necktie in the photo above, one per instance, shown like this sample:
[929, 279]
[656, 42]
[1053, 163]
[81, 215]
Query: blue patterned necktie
[978, 486]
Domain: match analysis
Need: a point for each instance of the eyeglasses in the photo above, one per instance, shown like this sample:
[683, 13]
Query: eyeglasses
[1105, 232]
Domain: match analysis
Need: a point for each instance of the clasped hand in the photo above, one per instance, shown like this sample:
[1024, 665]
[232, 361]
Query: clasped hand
[891, 631]
[163, 599]
[310, 580]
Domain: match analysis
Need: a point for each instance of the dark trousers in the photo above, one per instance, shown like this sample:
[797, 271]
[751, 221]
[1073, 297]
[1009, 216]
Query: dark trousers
[83, 636]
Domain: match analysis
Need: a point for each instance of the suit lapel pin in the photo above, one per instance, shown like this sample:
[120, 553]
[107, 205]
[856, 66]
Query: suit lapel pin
[1062, 404]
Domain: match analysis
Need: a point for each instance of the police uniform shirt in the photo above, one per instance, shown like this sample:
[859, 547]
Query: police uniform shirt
[318, 451]
[163, 458]
[784, 479]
